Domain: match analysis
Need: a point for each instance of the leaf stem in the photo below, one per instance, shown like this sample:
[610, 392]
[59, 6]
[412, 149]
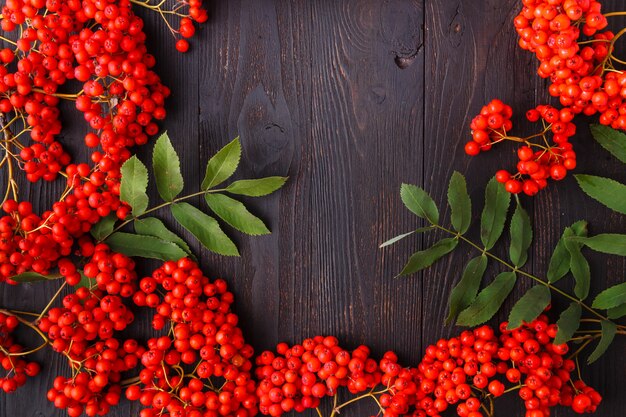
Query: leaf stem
[523, 273]
[24, 313]
[159, 207]
[371, 394]
[52, 300]
[130, 381]
[612, 14]
[583, 346]
[32, 326]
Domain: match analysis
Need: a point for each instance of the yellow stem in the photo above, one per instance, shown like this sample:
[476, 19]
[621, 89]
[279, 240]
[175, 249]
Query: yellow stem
[56, 295]
[583, 346]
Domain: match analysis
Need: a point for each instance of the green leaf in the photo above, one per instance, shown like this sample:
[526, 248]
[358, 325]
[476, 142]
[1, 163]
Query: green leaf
[489, 301]
[34, 277]
[460, 203]
[104, 227]
[143, 246]
[464, 293]
[423, 259]
[605, 190]
[223, 165]
[611, 297]
[134, 185]
[529, 307]
[580, 228]
[559, 262]
[617, 312]
[612, 140]
[497, 201]
[568, 323]
[236, 214]
[151, 226]
[580, 269]
[257, 188]
[419, 202]
[166, 167]
[205, 228]
[610, 243]
[609, 329]
[521, 237]
[404, 235]
[561, 259]
[85, 281]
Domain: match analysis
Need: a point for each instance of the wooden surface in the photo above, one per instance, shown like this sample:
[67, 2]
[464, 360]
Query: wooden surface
[350, 99]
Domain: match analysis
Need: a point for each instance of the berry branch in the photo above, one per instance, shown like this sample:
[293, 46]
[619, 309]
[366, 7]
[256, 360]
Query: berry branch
[513, 268]
[575, 51]
[467, 372]
[156, 208]
[471, 307]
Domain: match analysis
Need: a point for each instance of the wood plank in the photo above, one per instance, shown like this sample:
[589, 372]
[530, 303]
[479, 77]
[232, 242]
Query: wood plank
[350, 99]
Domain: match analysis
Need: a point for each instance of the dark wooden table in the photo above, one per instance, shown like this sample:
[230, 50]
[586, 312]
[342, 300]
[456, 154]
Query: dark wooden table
[350, 99]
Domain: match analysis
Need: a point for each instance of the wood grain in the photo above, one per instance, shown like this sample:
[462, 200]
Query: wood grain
[349, 98]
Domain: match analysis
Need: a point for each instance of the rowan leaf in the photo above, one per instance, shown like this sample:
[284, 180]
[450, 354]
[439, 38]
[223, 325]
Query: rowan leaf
[568, 323]
[143, 246]
[34, 277]
[580, 269]
[419, 203]
[609, 329]
[460, 203]
[609, 243]
[521, 237]
[612, 140]
[166, 167]
[560, 260]
[530, 306]
[580, 228]
[497, 201]
[104, 227]
[205, 228]
[617, 312]
[151, 226]
[605, 190]
[236, 214]
[423, 259]
[404, 235]
[222, 165]
[85, 281]
[488, 301]
[464, 293]
[257, 188]
[611, 297]
[134, 184]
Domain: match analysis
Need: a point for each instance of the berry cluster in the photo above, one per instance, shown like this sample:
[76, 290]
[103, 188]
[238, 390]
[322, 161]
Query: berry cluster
[202, 367]
[489, 126]
[552, 158]
[576, 66]
[85, 316]
[480, 361]
[102, 45]
[16, 368]
[96, 384]
[467, 372]
[298, 376]
[112, 272]
[575, 50]
[204, 336]
[83, 330]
